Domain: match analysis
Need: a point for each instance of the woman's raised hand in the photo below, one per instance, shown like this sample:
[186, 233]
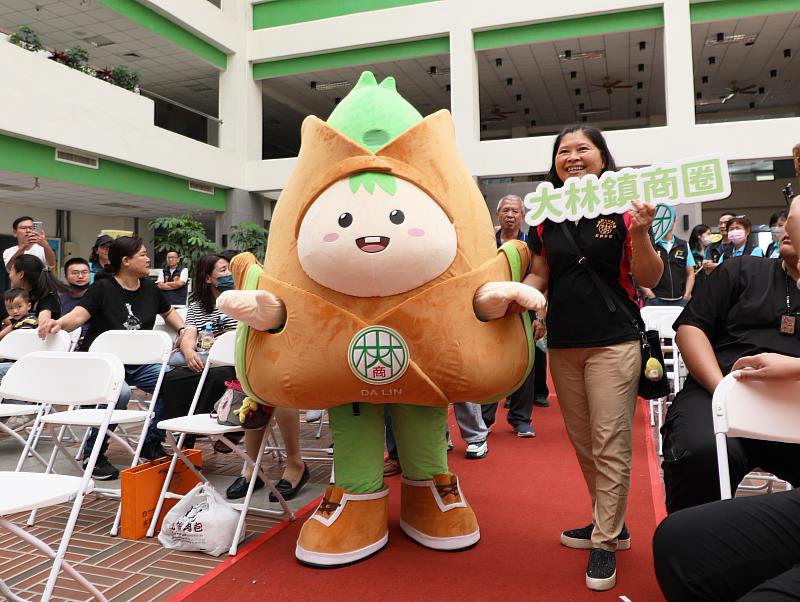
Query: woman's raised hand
[641, 216]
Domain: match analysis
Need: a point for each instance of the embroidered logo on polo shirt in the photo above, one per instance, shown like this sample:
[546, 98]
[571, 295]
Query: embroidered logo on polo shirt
[605, 228]
[679, 254]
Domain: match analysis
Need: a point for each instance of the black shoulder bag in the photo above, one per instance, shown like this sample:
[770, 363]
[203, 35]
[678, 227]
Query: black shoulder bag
[650, 341]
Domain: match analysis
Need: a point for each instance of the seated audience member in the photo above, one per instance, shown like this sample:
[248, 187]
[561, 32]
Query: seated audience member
[98, 258]
[30, 242]
[776, 222]
[173, 279]
[738, 229]
[677, 280]
[18, 306]
[127, 300]
[748, 305]
[77, 275]
[745, 549]
[212, 277]
[29, 273]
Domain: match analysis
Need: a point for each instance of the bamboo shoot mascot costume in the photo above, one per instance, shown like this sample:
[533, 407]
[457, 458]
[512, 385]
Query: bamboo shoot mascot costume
[382, 284]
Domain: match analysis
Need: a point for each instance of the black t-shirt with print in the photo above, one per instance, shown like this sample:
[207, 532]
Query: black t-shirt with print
[739, 308]
[577, 315]
[115, 308]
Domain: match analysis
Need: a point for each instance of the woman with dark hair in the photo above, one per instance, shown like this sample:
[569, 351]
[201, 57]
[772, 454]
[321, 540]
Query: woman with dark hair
[212, 277]
[739, 228]
[125, 300]
[595, 357]
[699, 239]
[98, 259]
[776, 222]
[28, 272]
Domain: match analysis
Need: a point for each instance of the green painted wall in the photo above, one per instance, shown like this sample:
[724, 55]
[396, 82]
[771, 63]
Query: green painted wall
[737, 9]
[286, 12]
[349, 58]
[569, 28]
[22, 156]
[168, 30]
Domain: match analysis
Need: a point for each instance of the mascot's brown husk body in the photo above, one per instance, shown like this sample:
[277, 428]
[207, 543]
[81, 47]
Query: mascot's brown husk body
[381, 253]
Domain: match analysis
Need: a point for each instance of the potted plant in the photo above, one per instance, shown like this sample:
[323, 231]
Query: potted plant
[28, 39]
[247, 236]
[77, 57]
[185, 235]
[122, 76]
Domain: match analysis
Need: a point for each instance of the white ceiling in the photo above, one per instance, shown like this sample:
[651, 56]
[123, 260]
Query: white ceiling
[165, 68]
[84, 199]
[544, 81]
[747, 65]
[289, 99]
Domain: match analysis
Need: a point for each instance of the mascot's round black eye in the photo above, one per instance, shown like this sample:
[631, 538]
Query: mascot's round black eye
[345, 219]
[397, 217]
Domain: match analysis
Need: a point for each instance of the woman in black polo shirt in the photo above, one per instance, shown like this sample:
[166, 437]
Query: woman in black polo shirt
[595, 357]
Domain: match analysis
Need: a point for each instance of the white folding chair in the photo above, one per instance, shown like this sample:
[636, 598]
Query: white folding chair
[221, 354]
[14, 346]
[765, 410]
[132, 347]
[48, 378]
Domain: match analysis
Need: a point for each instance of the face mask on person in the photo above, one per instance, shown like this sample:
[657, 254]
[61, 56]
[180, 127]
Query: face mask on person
[776, 233]
[225, 283]
[706, 238]
[737, 237]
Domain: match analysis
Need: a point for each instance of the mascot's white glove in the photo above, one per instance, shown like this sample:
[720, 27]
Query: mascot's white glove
[491, 301]
[260, 309]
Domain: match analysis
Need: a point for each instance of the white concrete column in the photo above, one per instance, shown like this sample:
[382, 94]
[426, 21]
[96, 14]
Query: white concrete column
[464, 101]
[678, 68]
[241, 131]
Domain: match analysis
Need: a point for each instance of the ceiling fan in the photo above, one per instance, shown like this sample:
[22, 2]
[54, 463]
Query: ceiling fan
[16, 188]
[496, 114]
[610, 84]
[730, 92]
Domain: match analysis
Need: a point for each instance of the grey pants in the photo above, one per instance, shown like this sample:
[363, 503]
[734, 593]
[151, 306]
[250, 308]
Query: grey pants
[470, 422]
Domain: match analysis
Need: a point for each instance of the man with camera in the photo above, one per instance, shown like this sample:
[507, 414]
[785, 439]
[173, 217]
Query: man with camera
[32, 240]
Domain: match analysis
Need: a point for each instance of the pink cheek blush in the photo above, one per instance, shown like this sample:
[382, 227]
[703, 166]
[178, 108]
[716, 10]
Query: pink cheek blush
[416, 232]
[332, 237]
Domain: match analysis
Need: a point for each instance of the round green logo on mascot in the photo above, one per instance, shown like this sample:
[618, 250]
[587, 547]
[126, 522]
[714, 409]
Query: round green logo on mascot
[378, 355]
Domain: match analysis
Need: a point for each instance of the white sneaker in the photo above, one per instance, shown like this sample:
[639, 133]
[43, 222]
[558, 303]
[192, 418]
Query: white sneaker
[477, 450]
[313, 415]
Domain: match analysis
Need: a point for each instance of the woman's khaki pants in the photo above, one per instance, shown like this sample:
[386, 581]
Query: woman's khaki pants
[596, 389]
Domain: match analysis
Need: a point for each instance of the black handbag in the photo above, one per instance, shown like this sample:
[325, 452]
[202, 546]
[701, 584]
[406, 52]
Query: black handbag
[653, 384]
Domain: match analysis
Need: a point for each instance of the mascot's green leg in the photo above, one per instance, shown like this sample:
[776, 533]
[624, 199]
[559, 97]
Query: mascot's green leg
[352, 521]
[359, 441]
[421, 440]
[432, 510]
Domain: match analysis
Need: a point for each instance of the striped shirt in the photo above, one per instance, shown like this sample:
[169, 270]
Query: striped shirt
[197, 317]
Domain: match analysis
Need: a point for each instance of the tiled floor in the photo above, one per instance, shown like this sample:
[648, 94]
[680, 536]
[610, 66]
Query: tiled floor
[140, 570]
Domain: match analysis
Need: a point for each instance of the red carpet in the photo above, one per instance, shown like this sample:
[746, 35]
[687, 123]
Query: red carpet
[525, 492]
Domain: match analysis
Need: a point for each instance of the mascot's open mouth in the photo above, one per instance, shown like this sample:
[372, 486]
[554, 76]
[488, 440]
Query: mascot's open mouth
[372, 244]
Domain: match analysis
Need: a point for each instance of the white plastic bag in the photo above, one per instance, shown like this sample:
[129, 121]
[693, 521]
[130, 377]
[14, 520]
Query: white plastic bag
[200, 522]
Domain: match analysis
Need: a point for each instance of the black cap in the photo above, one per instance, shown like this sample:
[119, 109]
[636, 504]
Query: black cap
[101, 240]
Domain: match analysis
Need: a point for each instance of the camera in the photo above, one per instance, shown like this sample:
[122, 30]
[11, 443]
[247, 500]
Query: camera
[788, 193]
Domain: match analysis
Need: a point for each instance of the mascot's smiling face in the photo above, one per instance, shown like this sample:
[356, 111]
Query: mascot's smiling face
[374, 235]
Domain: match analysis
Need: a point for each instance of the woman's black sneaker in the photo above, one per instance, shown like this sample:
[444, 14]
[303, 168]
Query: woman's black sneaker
[152, 450]
[581, 539]
[103, 469]
[601, 572]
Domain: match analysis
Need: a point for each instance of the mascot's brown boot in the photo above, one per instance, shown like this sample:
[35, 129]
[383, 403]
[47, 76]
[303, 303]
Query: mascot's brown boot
[435, 514]
[344, 528]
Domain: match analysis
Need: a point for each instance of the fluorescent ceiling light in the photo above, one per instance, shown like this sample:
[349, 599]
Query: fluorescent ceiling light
[322, 86]
[579, 56]
[747, 38]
